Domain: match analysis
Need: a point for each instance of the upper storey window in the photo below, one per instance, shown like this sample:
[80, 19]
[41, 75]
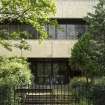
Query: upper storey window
[61, 31]
[71, 29]
[51, 32]
[26, 31]
[67, 29]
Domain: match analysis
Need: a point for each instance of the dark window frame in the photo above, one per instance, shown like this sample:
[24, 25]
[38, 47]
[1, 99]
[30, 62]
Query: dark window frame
[68, 22]
[36, 35]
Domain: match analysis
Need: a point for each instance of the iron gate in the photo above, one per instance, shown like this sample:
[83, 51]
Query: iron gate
[50, 84]
[46, 94]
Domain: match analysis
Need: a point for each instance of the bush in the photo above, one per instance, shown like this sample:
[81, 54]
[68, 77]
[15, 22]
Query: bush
[6, 95]
[82, 90]
[89, 94]
[13, 72]
[99, 95]
[78, 81]
[100, 81]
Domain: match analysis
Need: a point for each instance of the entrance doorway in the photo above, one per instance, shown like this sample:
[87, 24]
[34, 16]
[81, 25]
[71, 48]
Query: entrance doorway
[50, 71]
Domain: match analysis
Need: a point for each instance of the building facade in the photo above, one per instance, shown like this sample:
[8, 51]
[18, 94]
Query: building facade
[49, 61]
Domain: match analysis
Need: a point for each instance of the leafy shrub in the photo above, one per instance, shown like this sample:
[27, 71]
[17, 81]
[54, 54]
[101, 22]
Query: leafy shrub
[7, 95]
[78, 81]
[100, 81]
[99, 95]
[89, 94]
[82, 90]
[13, 72]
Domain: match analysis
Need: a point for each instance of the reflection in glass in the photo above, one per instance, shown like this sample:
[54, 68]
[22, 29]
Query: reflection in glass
[71, 32]
[47, 69]
[40, 69]
[52, 32]
[61, 32]
[80, 29]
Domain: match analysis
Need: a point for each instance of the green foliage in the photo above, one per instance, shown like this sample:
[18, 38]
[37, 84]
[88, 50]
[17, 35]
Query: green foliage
[6, 44]
[80, 50]
[14, 71]
[8, 96]
[88, 53]
[77, 82]
[16, 35]
[81, 90]
[96, 21]
[100, 81]
[94, 95]
[33, 12]
[84, 55]
[22, 45]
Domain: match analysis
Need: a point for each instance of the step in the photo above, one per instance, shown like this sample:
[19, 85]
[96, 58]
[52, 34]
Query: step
[50, 99]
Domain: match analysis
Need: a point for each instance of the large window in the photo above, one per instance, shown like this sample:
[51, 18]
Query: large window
[66, 31]
[26, 30]
[50, 72]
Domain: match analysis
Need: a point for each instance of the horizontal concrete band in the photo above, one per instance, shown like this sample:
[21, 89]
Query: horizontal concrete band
[47, 49]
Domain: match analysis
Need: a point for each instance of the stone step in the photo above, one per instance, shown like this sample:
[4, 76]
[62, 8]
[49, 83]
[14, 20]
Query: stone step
[49, 99]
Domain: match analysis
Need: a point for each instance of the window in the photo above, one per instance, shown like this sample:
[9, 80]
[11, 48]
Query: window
[25, 29]
[71, 31]
[52, 33]
[40, 70]
[61, 31]
[80, 29]
[48, 72]
[66, 31]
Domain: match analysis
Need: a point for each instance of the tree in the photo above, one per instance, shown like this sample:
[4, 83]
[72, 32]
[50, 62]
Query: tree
[15, 71]
[96, 22]
[34, 12]
[88, 53]
[23, 45]
[31, 12]
[84, 55]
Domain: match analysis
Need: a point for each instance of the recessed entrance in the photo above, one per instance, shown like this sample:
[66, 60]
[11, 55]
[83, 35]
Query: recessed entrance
[50, 71]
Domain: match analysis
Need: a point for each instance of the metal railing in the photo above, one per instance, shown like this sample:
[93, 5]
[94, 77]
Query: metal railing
[57, 94]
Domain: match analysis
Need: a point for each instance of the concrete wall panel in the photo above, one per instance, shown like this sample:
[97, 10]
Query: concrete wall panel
[48, 49]
[74, 8]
